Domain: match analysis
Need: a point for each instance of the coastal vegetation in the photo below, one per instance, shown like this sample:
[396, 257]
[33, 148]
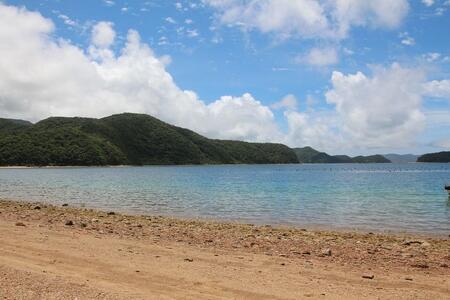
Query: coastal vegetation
[134, 139]
[310, 155]
[438, 157]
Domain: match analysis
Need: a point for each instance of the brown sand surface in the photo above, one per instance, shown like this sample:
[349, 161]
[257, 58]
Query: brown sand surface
[49, 252]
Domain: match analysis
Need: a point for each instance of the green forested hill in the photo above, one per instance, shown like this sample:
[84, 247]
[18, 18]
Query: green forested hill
[441, 157]
[124, 139]
[310, 155]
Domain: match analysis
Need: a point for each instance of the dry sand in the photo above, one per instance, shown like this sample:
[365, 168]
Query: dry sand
[49, 252]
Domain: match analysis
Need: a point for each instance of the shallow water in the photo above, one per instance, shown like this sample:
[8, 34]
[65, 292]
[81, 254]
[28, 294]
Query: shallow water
[379, 197]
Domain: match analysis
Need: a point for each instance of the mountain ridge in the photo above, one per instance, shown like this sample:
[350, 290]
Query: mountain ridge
[125, 139]
[310, 155]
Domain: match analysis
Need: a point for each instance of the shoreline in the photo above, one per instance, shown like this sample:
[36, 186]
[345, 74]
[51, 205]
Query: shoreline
[282, 252]
[246, 222]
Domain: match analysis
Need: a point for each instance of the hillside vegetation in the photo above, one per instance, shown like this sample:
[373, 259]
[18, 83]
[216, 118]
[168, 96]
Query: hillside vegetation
[134, 139]
[439, 157]
[312, 156]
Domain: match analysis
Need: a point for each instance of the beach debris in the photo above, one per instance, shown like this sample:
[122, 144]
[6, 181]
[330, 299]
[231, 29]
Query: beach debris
[20, 224]
[65, 204]
[189, 259]
[37, 207]
[308, 252]
[69, 223]
[420, 265]
[408, 278]
[325, 252]
[368, 276]
[411, 242]
[111, 213]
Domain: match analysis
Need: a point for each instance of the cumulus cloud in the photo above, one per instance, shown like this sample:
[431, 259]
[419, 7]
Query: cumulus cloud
[319, 57]
[103, 34]
[382, 110]
[310, 18]
[43, 76]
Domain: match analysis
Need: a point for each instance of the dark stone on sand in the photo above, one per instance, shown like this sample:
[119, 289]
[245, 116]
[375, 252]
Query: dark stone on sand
[368, 276]
[420, 265]
[408, 278]
[69, 223]
[20, 224]
[111, 213]
[65, 204]
[189, 259]
[83, 225]
[37, 207]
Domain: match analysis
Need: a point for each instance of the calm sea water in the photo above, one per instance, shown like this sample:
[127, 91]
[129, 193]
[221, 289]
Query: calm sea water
[379, 197]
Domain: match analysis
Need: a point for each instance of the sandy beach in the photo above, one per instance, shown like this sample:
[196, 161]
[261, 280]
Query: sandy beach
[49, 252]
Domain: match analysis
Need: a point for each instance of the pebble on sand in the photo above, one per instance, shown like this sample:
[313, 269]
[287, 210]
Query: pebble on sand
[368, 276]
[69, 223]
[20, 224]
[325, 252]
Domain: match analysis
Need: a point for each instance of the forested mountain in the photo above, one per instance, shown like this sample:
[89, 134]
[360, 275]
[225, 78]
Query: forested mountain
[441, 157]
[310, 155]
[134, 139]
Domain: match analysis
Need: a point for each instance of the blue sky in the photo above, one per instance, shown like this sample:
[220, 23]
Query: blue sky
[289, 68]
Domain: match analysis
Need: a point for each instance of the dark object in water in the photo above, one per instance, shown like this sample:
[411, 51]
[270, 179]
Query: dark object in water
[447, 188]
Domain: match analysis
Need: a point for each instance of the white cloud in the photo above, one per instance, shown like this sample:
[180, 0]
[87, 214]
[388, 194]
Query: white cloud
[103, 34]
[192, 33]
[406, 39]
[109, 2]
[432, 56]
[428, 2]
[437, 89]
[310, 18]
[288, 102]
[382, 110]
[45, 76]
[319, 57]
[170, 20]
[67, 20]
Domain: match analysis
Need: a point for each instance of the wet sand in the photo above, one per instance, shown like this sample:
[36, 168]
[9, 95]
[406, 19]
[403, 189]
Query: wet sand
[49, 252]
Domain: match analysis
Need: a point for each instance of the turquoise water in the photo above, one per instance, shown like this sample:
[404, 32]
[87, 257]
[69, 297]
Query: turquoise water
[378, 197]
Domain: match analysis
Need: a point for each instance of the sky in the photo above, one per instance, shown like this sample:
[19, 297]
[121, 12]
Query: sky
[343, 76]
